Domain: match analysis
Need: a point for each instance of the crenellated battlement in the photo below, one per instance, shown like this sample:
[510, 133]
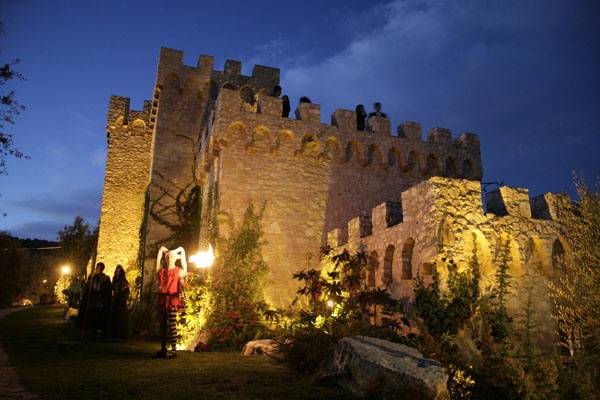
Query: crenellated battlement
[172, 70]
[453, 198]
[121, 116]
[262, 126]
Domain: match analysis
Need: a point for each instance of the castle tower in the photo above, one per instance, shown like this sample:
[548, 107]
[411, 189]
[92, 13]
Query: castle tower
[216, 142]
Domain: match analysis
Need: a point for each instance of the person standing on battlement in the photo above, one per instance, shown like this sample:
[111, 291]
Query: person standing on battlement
[361, 115]
[377, 112]
[285, 106]
[170, 283]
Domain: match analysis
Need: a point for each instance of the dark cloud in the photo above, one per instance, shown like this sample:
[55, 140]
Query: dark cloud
[521, 74]
[83, 202]
[47, 230]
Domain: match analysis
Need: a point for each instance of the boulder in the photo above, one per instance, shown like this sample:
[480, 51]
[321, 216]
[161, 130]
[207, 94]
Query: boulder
[375, 367]
[263, 346]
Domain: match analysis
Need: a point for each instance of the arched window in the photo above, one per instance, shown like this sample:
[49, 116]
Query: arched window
[411, 161]
[372, 156]
[392, 157]
[467, 170]
[558, 256]
[450, 167]
[388, 264]
[407, 253]
[432, 165]
[351, 151]
[372, 270]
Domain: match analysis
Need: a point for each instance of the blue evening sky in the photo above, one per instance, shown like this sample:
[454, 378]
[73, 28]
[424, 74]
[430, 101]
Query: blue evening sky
[524, 75]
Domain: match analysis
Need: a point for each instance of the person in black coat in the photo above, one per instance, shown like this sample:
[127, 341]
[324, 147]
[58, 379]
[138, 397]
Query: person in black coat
[118, 313]
[98, 293]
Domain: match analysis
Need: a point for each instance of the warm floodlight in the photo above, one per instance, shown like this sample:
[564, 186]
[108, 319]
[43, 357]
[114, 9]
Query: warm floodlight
[330, 303]
[203, 259]
[65, 270]
[45, 280]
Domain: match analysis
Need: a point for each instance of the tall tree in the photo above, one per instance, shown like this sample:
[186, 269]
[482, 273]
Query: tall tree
[9, 109]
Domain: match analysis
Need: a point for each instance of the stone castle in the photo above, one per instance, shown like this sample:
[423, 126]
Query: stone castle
[211, 142]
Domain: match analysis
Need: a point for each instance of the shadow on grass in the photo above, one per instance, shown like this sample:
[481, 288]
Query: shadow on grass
[55, 363]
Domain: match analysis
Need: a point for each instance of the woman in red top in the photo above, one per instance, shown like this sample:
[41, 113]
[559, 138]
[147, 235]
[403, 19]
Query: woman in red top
[170, 282]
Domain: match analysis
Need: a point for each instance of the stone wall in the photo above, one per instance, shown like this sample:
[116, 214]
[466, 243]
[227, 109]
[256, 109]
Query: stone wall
[314, 177]
[126, 180]
[445, 217]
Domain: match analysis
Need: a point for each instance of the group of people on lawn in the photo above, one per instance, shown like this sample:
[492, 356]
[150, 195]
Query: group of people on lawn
[104, 304]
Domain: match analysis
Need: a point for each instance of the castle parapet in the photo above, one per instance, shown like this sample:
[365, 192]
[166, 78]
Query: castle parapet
[410, 130]
[468, 140]
[345, 120]
[379, 125]
[508, 201]
[441, 136]
[553, 206]
[232, 69]
[359, 227]
[309, 112]
[385, 215]
[270, 105]
[120, 113]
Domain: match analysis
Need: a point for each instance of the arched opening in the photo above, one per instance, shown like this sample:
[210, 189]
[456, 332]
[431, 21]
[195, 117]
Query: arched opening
[432, 165]
[351, 151]
[392, 157]
[373, 155]
[450, 168]
[407, 254]
[332, 148]
[372, 270]
[388, 264]
[532, 255]
[467, 170]
[229, 85]
[411, 161]
[310, 145]
[558, 256]
[248, 101]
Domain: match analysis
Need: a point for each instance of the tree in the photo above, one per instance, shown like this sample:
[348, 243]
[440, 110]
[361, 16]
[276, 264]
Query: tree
[576, 297]
[9, 109]
[78, 242]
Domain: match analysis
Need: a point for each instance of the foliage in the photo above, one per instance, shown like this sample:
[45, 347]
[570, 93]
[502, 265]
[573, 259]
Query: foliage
[78, 242]
[333, 302]
[9, 109]
[444, 314]
[197, 305]
[23, 271]
[576, 297]
[236, 283]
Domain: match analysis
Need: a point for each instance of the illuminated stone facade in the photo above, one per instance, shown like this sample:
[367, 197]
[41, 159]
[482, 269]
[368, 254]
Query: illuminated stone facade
[224, 133]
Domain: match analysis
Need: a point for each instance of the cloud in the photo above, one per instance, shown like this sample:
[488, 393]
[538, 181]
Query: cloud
[47, 230]
[83, 202]
[521, 74]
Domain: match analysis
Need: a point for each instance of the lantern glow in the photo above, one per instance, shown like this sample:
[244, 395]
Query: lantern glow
[203, 259]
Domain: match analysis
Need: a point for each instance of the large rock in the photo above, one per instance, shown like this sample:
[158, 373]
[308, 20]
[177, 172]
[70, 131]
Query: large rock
[375, 367]
[262, 346]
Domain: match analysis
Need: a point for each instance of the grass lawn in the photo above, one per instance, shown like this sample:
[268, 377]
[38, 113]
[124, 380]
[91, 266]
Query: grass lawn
[52, 362]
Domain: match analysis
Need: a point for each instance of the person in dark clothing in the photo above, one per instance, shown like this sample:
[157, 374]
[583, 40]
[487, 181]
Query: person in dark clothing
[361, 115]
[118, 312]
[377, 112]
[99, 297]
[285, 106]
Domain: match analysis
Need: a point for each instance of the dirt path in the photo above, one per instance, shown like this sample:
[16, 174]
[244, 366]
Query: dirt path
[10, 384]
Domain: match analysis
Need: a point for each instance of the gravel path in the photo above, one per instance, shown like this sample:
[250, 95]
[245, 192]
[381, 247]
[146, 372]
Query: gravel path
[10, 384]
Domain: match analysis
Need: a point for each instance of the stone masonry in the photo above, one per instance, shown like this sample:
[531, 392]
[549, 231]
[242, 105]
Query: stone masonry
[223, 132]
